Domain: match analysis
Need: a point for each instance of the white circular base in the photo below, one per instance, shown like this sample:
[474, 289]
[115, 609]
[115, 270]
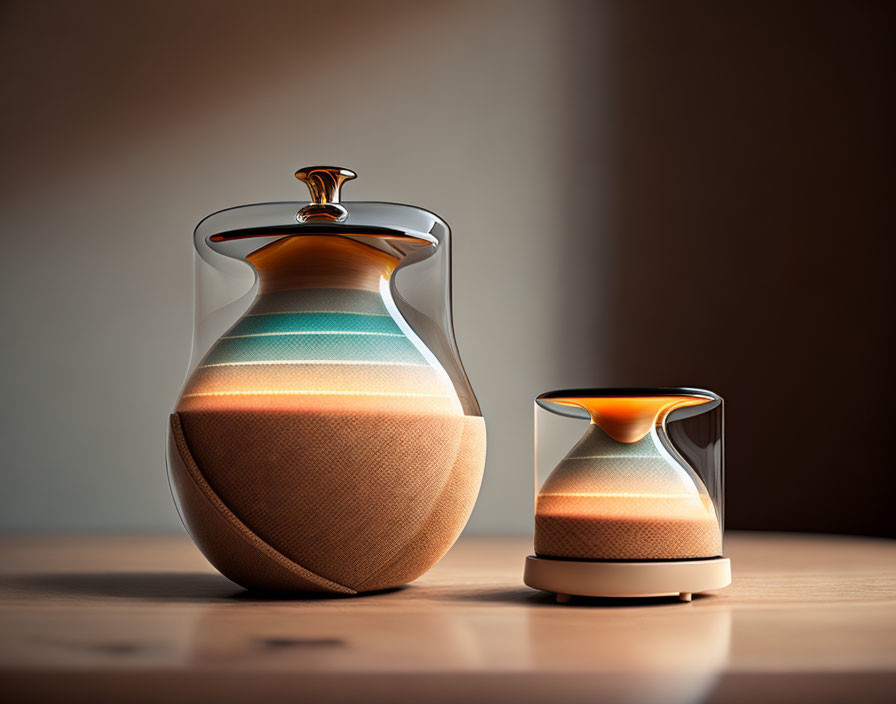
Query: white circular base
[627, 579]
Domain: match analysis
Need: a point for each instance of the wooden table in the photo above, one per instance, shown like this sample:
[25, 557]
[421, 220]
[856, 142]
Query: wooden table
[132, 619]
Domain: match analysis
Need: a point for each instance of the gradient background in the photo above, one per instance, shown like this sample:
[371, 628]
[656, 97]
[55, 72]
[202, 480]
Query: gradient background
[688, 193]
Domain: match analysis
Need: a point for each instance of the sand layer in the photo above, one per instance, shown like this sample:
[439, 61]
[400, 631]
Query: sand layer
[364, 499]
[626, 539]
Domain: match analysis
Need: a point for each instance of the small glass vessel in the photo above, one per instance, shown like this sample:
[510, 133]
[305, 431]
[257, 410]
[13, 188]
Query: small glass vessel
[635, 507]
[327, 438]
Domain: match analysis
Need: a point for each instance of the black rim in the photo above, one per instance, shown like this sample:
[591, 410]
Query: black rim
[546, 399]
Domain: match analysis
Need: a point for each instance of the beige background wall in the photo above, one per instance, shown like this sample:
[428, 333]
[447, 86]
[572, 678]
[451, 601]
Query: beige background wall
[126, 123]
[642, 193]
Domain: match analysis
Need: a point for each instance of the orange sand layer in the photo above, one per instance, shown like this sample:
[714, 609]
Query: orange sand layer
[626, 528]
[368, 499]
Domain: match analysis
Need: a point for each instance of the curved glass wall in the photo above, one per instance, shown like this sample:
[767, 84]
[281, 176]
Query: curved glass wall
[629, 474]
[326, 410]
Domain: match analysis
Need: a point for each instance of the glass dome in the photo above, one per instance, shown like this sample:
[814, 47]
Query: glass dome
[629, 476]
[326, 414]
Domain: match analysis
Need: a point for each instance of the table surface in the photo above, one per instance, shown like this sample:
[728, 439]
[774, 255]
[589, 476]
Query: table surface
[145, 618]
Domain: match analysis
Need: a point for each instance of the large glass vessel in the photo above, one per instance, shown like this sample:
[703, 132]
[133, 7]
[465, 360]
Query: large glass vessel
[635, 507]
[327, 438]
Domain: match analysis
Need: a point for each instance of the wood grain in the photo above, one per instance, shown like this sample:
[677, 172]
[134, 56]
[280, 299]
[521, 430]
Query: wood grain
[139, 618]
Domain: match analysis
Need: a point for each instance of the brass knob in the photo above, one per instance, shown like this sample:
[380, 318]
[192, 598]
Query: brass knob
[325, 183]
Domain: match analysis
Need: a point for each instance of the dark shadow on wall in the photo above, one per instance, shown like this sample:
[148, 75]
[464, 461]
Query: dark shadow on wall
[748, 242]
